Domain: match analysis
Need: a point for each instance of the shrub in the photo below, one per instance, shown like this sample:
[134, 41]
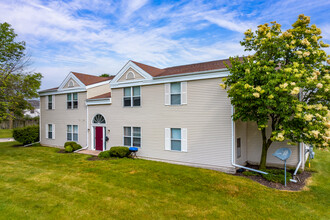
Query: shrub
[27, 135]
[119, 152]
[68, 149]
[104, 154]
[250, 173]
[73, 144]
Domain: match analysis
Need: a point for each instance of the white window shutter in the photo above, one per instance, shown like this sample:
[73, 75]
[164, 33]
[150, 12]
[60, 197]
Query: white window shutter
[167, 139]
[167, 94]
[46, 130]
[46, 101]
[53, 101]
[184, 139]
[184, 93]
[53, 127]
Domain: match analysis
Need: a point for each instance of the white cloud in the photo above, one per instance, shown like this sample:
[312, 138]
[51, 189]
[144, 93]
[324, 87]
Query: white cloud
[97, 36]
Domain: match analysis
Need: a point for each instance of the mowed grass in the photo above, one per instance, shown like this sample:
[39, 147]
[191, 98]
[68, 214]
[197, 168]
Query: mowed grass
[38, 183]
[6, 133]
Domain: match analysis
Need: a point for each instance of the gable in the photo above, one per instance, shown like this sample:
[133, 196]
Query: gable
[129, 75]
[71, 83]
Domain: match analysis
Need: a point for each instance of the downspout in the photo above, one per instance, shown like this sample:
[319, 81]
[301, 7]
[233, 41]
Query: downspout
[87, 127]
[299, 163]
[233, 147]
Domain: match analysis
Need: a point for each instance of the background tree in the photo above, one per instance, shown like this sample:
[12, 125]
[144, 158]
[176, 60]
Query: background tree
[16, 83]
[284, 85]
[104, 75]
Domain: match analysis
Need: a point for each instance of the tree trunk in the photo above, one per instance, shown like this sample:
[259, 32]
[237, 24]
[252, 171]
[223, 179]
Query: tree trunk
[11, 121]
[263, 158]
[265, 146]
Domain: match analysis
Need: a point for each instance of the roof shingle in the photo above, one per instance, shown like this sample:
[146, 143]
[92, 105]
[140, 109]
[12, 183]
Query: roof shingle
[87, 79]
[190, 68]
[103, 96]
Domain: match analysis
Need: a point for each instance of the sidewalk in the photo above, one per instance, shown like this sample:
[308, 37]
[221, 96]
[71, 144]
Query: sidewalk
[6, 139]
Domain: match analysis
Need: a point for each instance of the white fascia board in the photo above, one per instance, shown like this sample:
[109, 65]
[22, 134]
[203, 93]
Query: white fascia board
[98, 84]
[67, 78]
[132, 65]
[104, 101]
[71, 90]
[174, 78]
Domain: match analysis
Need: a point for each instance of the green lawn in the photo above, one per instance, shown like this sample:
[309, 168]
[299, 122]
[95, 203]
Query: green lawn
[38, 183]
[6, 133]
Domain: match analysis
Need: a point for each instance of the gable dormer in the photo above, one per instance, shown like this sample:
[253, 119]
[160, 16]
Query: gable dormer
[71, 82]
[129, 75]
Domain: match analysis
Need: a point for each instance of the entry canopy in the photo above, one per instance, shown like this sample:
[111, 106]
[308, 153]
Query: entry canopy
[282, 153]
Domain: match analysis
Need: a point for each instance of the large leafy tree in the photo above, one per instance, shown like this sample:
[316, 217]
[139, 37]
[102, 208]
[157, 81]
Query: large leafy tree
[16, 83]
[284, 85]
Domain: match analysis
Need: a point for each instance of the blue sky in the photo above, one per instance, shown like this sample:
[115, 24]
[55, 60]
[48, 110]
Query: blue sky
[95, 37]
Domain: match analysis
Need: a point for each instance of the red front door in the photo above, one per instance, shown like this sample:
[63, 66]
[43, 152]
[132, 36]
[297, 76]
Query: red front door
[99, 138]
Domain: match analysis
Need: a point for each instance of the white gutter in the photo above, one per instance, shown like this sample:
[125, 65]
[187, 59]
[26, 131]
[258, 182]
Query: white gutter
[233, 147]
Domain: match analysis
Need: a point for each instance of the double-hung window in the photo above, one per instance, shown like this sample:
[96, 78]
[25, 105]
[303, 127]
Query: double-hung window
[72, 133]
[176, 93]
[132, 96]
[176, 139]
[50, 131]
[50, 102]
[72, 100]
[132, 136]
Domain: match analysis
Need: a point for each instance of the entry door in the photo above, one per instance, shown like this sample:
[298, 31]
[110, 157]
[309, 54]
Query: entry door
[99, 138]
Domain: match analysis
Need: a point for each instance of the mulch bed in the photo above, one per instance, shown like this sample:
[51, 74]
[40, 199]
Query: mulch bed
[290, 186]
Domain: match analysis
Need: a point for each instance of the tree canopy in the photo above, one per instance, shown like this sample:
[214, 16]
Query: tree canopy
[17, 84]
[283, 85]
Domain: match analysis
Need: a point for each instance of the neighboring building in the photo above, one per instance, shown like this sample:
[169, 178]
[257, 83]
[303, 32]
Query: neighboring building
[35, 111]
[177, 114]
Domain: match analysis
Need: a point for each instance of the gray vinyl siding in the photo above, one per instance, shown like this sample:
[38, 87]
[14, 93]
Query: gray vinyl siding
[206, 117]
[61, 117]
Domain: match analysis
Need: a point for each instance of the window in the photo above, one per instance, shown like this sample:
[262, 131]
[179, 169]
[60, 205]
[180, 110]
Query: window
[130, 75]
[72, 100]
[50, 102]
[238, 146]
[71, 84]
[132, 136]
[176, 139]
[175, 93]
[50, 131]
[98, 119]
[72, 133]
[132, 96]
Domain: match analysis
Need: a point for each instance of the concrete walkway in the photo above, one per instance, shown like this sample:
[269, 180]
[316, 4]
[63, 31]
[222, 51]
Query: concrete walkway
[6, 139]
[89, 152]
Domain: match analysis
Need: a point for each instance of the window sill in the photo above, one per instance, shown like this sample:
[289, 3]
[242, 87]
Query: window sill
[177, 151]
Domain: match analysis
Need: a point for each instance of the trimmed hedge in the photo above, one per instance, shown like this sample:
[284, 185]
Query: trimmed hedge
[72, 145]
[68, 149]
[119, 152]
[104, 154]
[27, 135]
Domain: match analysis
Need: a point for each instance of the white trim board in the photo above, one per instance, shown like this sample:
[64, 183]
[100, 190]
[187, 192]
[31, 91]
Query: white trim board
[173, 78]
[106, 101]
[98, 84]
[62, 92]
